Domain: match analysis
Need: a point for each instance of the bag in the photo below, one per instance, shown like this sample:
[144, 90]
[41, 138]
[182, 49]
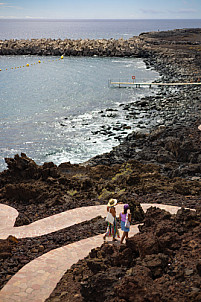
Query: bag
[109, 218]
[127, 223]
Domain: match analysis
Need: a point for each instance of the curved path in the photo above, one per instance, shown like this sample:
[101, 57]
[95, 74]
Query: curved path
[58, 221]
[37, 279]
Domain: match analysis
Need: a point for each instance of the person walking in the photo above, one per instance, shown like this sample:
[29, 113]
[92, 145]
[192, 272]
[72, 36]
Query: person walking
[125, 218]
[112, 230]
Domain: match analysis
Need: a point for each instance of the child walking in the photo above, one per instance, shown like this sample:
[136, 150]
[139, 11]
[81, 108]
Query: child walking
[124, 217]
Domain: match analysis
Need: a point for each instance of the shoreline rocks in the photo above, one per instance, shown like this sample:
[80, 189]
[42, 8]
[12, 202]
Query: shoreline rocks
[176, 56]
[176, 150]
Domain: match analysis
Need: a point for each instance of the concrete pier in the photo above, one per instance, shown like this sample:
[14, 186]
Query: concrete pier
[138, 85]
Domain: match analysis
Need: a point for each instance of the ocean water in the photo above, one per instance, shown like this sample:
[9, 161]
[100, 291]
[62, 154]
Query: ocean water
[92, 29]
[51, 110]
[57, 110]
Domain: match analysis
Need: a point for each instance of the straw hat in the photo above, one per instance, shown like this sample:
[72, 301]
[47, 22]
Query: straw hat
[112, 202]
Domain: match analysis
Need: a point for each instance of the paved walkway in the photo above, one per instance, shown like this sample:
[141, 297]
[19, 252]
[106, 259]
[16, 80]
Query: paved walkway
[56, 222]
[37, 279]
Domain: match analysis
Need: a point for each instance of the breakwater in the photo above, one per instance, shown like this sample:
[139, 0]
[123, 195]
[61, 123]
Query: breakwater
[176, 53]
[67, 47]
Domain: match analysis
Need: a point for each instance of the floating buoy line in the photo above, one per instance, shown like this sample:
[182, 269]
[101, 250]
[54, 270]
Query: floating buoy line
[28, 65]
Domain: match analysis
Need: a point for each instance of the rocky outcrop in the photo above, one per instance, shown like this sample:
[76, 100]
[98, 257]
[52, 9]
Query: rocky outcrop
[38, 191]
[175, 53]
[176, 149]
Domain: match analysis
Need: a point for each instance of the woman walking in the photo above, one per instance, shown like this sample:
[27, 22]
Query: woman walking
[112, 230]
[125, 218]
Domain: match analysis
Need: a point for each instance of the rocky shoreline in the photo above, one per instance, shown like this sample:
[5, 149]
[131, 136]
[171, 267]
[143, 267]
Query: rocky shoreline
[179, 110]
[162, 165]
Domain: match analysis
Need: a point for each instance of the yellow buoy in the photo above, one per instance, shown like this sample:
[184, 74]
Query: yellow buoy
[0, 69]
[39, 61]
[62, 57]
[27, 65]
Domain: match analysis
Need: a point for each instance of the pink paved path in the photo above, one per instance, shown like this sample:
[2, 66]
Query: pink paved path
[55, 222]
[37, 279]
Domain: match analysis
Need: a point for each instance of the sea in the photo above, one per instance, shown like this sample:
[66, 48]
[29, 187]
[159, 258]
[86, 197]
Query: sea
[57, 110]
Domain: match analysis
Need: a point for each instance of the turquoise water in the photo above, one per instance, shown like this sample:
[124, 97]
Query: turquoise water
[51, 110]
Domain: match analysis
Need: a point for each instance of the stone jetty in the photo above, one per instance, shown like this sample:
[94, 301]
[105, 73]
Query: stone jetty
[67, 47]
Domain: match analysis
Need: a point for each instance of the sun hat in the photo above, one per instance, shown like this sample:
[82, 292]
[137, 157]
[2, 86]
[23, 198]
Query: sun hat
[126, 206]
[112, 202]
